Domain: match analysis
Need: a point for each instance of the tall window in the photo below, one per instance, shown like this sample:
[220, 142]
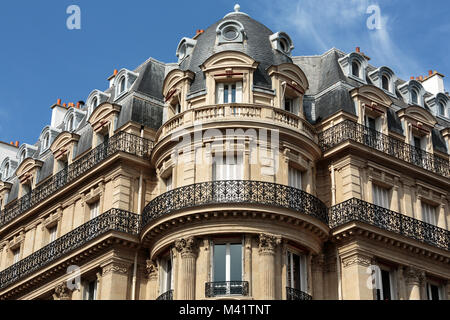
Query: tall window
[168, 182]
[380, 196]
[386, 285]
[122, 85]
[417, 142]
[373, 123]
[428, 213]
[46, 141]
[355, 69]
[94, 209]
[16, 255]
[52, 233]
[229, 92]
[295, 178]
[22, 155]
[296, 271]
[227, 266]
[228, 168]
[433, 292]
[166, 274]
[90, 290]
[70, 124]
[414, 96]
[441, 109]
[385, 82]
[289, 104]
[94, 103]
[6, 171]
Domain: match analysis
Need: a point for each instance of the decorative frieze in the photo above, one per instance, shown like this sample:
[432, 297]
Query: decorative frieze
[268, 243]
[115, 267]
[356, 259]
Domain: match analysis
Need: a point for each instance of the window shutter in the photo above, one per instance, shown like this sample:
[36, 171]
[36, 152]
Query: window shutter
[239, 92]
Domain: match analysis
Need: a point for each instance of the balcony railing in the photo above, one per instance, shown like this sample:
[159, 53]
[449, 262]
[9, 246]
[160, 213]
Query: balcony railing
[226, 288]
[235, 191]
[349, 130]
[121, 141]
[359, 210]
[294, 294]
[112, 220]
[168, 295]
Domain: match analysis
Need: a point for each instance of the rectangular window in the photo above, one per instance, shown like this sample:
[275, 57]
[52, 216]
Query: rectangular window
[417, 142]
[386, 290]
[288, 105]
[168, 183]
[166, 274]
[428, 213]
[229, 92]
[296, 271]
[52, 233]
[227, 267]
[380, 196]
[374, 123]
[90, 290]
[94, 208]
[228, 168]
[433, 292]
[16, 256]
[295, 178]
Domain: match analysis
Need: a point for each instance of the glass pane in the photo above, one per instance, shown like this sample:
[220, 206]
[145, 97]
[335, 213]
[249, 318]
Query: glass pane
[225, 93]
[169, 275]
[219, 262]
[233, 93]
[296, 272]
[386, 285]
[236, 262]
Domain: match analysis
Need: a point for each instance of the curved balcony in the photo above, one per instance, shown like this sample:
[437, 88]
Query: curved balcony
[237, 112]
[168, 295]
[112, 220]
[233, 192]
[350, 130]
[226, 288]
[294, 294]
[359, 210]
[120, 142]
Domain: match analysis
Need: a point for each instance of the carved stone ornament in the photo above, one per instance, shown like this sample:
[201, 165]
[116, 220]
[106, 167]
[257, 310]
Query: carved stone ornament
[414, 276]
[186, 246]
[356, 259]
[115, 267]
[268, 243]
[152, 269]
[62, 292]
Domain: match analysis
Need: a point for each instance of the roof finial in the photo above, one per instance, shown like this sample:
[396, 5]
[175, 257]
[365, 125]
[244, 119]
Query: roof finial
[237, 7]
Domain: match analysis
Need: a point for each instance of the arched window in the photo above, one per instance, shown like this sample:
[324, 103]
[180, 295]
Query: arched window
[46, 141]
[385, 82]
[22, 155]
[70, 124]
[94, 103]
[355, 69]
[441, 109]
[5, 171]
[414, 96]
[122, 85]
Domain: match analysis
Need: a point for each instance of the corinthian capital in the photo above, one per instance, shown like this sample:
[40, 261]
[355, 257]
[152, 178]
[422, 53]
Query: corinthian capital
[414, 275]
[62, 292]
[268, 243]
[186, 246]
[152, 269]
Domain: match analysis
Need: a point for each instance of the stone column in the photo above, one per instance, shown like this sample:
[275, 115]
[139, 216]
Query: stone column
[356, 276]
[248, 262]
[188, 252]
[413, 278]
[152, 275]
[317, 268]
[114, 280]
[267, 250]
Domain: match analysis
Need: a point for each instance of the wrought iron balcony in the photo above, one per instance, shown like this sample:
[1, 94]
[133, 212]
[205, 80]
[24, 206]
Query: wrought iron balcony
[294, 294]
[121, 141]
[168, 295]
[349, 130]
[359, 210]
[112, 220]
[235, 191]
[226, 288]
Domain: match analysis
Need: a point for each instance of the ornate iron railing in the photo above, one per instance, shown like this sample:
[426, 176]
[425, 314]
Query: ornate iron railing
[112, 220]
[350, 130]
[359, 210]
[168, 295]
[226, 288]
[294, 294]
[121, 141]
[235, 191]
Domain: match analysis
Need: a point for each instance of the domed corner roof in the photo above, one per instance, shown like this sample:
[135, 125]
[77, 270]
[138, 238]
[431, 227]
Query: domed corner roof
[256, 45]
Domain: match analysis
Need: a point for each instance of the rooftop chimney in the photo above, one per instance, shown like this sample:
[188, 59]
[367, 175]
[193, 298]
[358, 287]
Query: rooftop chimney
[434, 83]
[198, 32]
[17, 143]
[58, 102]
[358, 49]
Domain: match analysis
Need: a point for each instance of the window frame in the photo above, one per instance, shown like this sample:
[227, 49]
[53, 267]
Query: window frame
[238, 92]
[227, 242]
[303, 270]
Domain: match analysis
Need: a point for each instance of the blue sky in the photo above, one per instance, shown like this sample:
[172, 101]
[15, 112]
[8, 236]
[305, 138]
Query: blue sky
[41, 60]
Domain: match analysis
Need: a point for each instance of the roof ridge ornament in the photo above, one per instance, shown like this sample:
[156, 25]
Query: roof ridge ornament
[237, 10]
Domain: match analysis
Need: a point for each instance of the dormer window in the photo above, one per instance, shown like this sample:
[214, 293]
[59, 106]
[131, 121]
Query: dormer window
[355, 69]
[282, 42]
[385, 82]
[230, 31]
[94, 103]
[70, 124]
[413, 92]
[441, 107]
[229, 92]
[23, 155]
[122, 85]
[6, 171]
[46, 142]
[414, 96]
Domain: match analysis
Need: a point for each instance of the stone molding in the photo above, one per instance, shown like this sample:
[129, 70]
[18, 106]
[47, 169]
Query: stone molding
[356, 259]
[268, 243]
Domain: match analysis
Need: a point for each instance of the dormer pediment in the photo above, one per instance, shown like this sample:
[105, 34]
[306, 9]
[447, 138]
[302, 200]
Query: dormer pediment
[103, 115]
[28, 168]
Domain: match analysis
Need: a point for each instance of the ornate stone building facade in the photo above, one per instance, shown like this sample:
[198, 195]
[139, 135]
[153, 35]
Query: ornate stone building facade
[239, 172]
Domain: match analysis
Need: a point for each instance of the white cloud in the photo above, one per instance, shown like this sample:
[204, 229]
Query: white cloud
[322, 24]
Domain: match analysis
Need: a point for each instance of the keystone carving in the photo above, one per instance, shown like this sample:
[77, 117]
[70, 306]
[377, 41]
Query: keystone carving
[268, 243]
